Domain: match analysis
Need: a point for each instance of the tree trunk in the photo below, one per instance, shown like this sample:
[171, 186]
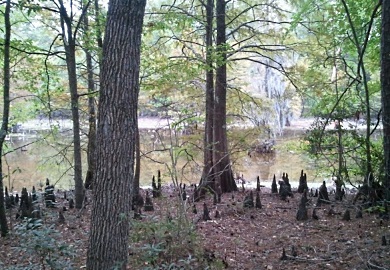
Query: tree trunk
[98, 29]
[116, 136]
[70, 49]
[385, 86]
[92, 114]
[340, 177]
[6, 100]
[221, 158]
[207, 174]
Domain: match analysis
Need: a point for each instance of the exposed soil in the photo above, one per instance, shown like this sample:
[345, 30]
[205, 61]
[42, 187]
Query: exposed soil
[241, 238]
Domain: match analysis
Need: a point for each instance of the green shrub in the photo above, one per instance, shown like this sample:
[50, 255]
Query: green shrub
[166, 244]
[40, 246]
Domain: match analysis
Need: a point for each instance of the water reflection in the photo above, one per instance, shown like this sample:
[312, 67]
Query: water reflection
[33, 160]
[281, 161]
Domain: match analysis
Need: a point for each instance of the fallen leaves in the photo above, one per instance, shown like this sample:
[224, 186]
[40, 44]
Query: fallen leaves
[250, 238]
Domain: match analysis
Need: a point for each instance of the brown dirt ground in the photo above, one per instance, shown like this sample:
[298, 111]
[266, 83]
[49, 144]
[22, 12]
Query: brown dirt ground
[242, 238]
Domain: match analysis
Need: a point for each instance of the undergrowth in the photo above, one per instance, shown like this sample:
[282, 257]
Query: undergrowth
[169, 242]
[40, 247]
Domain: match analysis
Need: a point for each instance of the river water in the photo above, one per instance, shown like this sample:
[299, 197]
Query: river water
[32, 159]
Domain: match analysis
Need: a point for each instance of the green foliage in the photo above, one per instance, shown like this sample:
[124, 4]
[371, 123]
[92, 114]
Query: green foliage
[165, 244]
[42, 242]
[381, 209]
[323, 145]
[339, 77]
[329, 44]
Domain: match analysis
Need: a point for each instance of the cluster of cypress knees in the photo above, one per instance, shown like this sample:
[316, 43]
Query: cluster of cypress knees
[28, 205]
[250, 200]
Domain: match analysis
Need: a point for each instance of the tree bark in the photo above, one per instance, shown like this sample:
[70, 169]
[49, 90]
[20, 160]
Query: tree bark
[91, 111]
[207, 174]
[385, 91]
[6, 107]
[221, 159]
[116, 136]
[70, 50]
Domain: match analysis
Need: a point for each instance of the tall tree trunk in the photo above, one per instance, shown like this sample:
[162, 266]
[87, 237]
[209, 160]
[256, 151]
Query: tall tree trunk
[207, 174]
[221, 157]
[341, 167]
[92, 126]
[70, 49]
[385, 86]
[99, 38]
[6, 100]
[91, 111]
[116, 136]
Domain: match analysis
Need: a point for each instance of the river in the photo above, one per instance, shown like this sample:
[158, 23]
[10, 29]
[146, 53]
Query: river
[34, 159]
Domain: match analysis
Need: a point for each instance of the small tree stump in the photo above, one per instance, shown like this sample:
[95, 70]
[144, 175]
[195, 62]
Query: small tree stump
[154, 188]
[274, 187]
[302, 210]
[287, 182]
[12, 199]
[258, 183]
[339, 193]
[302, 183]
[71, 203]
[314, 215]
[206, 213]
[284, 190]
[258, 201]
[50, 198]
[61, 217]
[248, 201]
[284, 256]
[347, 215]
[323, 196]
[25, 204]
[148, 203]
[34, 194]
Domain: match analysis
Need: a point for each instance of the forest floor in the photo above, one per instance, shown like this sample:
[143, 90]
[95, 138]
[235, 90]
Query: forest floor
[239, 238]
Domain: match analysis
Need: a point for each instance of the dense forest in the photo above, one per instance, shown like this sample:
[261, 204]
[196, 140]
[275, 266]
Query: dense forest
[227, 77]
